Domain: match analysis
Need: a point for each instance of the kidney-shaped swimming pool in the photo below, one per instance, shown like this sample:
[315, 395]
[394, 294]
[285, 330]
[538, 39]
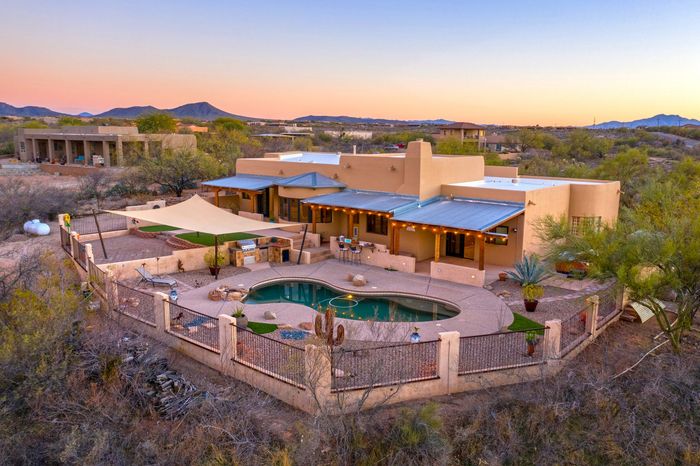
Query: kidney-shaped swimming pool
[383, 307]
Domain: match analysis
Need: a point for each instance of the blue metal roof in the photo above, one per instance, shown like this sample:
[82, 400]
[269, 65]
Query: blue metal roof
[244, 181]
[462, 213]
[365, 200]
[310, 180]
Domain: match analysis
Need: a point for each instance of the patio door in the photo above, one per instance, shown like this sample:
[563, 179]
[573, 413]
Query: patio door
[263, 203]
[459, 245]
[454, 245]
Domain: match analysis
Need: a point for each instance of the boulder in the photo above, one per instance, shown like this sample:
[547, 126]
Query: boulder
[351, 277]
[235, 296]
[269, 315]
[306, 326]
[284, 326]
[359, 280]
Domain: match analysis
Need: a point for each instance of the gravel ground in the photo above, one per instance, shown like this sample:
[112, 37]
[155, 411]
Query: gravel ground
[202, 277]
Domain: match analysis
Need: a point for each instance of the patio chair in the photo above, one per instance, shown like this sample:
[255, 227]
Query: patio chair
[342, 251]
[356, 254]
[148, 278]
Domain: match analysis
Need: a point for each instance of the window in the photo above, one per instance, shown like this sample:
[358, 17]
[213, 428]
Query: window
[580, 224]
[245, 196]
[498, 240]
[324, 216]
[56, 146]
[377, 224]
[21, 146]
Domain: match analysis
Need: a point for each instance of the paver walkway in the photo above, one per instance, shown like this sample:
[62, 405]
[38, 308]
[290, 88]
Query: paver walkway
[592, 288]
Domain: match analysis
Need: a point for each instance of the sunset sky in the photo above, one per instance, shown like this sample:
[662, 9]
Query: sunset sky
[510, 62]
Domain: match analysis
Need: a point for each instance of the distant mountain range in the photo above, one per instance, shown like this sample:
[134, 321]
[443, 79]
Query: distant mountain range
[368, 121]
[197, 110]
[657, 120]
[27, 112]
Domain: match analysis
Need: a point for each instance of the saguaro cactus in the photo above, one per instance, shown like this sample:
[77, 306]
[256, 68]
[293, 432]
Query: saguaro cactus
[323, 326]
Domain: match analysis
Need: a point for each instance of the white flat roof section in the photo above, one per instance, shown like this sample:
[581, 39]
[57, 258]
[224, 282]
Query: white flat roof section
[519, 184]
[326, 158]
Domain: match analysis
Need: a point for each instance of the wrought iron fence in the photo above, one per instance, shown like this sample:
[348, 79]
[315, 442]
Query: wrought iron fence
[135, 303]
[503, 350]
[108, 222]
[200, 329]
[365, 366]
[607, 308]
[65, 240]
[79, 253]
[270, 356]
[573, 331]
[98, 278]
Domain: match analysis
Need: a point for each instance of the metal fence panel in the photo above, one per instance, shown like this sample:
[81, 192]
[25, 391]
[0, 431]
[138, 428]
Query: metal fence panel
[98, 278]
[80, 254]
[503, 350]
[270, 356]
[65, 240]
[607, 308]
[573, 331]
[108, 222]
[135, 303]
[365, 367]
[200, 329]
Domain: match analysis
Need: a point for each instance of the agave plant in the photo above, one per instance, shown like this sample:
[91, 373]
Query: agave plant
[529, 271]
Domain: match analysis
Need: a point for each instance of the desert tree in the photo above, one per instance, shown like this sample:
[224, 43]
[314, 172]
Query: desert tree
[156, 123]
[178, 170]
[654, 250]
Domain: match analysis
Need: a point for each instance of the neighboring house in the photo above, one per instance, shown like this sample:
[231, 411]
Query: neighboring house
[429, 208]
[501, 143]
[193, 128]
[464, 132]
[351, 134]
[93, 145]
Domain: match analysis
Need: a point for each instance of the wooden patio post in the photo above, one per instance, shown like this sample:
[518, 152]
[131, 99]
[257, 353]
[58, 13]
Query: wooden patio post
[216, 197]
[397, 240]
[313, 219]
[482, 240]
[437, 247]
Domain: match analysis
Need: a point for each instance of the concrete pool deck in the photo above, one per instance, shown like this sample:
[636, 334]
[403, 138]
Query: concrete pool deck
[481, 312]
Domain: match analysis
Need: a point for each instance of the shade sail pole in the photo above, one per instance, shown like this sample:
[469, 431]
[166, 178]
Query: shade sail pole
[216, 255]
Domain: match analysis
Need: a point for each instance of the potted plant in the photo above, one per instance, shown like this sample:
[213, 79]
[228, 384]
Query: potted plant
[532, 339]
[531, 295]
[241, 319]
[214, 263]
[502, 276]
[529, 273]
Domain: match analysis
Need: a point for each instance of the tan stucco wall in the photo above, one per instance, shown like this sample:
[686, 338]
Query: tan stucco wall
[539, 203]
[303, 193]
[601, 200]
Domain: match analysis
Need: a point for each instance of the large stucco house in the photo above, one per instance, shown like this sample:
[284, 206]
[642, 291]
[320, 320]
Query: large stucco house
[451, 215]
[93, 145]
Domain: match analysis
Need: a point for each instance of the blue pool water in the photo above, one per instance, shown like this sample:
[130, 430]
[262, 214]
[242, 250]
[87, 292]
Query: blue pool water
[384, 308]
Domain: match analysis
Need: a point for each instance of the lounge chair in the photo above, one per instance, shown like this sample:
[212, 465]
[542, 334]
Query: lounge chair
[148, 278]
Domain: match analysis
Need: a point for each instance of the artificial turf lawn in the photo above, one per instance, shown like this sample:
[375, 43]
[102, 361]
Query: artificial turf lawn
[262, 327]
[157, 228]
[205, 239]
[520, 322]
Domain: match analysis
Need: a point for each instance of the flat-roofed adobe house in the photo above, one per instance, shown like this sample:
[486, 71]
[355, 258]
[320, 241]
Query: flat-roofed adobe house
[93, 145]
[464, 132]
[449, 215]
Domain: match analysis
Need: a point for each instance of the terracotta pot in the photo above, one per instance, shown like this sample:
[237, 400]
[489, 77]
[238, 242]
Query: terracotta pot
[530, 304]
[214, 270]
[502, 276]
[530, 349]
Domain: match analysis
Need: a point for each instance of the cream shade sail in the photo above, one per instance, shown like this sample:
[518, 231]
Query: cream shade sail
[196, 214]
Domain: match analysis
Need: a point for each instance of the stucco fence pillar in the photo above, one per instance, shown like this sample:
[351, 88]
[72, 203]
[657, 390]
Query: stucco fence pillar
[552, 339]
[592, 315]
[448, 360]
